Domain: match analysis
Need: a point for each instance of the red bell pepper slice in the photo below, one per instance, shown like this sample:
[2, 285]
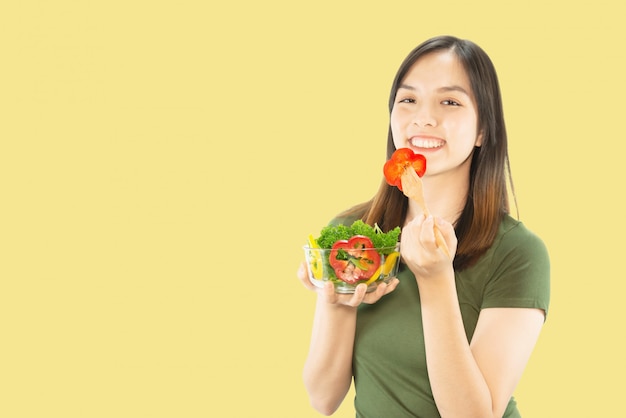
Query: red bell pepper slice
[399, 161]
[354, 259]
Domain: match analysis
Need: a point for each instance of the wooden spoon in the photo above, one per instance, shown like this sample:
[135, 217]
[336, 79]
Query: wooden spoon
[412, 188]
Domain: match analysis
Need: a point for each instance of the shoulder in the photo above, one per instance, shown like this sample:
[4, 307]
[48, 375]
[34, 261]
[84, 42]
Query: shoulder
[518, 272]
[519, 258]
[515, 240]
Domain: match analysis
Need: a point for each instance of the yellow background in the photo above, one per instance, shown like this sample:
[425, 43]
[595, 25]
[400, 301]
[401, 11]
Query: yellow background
[162, 162]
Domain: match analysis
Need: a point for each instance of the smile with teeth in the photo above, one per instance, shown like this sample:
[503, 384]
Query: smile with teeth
[427, 143]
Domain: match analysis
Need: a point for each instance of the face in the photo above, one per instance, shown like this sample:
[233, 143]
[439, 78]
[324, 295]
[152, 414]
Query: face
[435, 114]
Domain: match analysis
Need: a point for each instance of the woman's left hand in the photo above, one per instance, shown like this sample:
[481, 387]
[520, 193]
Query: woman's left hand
[419, 249]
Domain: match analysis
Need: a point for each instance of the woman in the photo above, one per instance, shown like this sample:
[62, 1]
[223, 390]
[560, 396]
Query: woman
[447, 338]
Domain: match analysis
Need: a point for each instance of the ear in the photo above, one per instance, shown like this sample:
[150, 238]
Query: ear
[479, 139]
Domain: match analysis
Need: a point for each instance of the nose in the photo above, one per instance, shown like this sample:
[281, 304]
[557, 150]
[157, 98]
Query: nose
[424, 116]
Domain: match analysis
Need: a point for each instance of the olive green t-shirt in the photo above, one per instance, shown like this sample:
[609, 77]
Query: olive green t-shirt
[389, 363]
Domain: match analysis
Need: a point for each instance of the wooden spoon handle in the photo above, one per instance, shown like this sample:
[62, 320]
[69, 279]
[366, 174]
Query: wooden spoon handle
[441, 243]
[412, 188]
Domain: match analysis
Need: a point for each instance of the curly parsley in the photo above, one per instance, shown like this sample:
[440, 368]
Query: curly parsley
[331, 234]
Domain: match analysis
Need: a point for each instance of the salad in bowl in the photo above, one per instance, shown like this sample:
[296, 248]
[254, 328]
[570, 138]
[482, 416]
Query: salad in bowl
[350, 255]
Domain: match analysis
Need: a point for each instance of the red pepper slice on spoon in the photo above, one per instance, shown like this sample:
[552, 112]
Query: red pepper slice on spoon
[400, 160]
[404, 170]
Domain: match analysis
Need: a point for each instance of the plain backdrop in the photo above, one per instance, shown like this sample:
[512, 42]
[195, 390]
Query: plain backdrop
[162, 163]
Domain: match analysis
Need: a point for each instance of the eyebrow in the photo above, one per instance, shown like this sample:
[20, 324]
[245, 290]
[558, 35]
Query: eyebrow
[443, 89]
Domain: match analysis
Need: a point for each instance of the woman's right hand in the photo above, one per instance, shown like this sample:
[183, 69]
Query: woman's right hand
[360, 295]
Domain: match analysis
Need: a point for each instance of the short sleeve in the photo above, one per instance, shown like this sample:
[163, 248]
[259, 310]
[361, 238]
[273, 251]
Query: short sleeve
[521, 272]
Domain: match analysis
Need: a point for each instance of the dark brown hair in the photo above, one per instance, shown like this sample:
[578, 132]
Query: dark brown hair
[487, 200]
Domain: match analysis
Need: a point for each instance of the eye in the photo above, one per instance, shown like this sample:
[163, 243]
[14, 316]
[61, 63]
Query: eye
[450, 102]
[406, 100]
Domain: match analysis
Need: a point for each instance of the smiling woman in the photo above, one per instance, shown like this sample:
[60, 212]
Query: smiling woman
[450, 336]
[435, 114]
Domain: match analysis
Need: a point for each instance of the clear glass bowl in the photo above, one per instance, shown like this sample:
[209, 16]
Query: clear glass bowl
[348, 269]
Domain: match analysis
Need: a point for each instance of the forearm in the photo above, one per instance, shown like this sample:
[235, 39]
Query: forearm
[328, 368]
[458, 385]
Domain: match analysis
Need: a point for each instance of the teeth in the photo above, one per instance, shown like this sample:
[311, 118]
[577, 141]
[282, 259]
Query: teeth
[426, 143]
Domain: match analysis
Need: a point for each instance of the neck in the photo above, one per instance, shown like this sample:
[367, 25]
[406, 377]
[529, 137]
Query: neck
[445, 197]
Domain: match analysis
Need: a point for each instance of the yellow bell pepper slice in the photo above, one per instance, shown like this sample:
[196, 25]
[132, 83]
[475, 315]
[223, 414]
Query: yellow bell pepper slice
[316, 266]
[385, 268]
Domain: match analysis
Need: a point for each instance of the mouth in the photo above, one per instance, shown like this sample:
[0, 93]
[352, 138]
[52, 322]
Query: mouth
[426, 142]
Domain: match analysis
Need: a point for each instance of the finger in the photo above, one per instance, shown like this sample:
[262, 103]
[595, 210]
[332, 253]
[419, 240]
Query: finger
[410, 237]
[388, 287]
[382, 290]
[303, 271]
[427, 234]
[447, 232]
[415, 224]
[303, 275]
[328, 293]
[441, 242]
[446, 228]
[391, 286]
[358, 296]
